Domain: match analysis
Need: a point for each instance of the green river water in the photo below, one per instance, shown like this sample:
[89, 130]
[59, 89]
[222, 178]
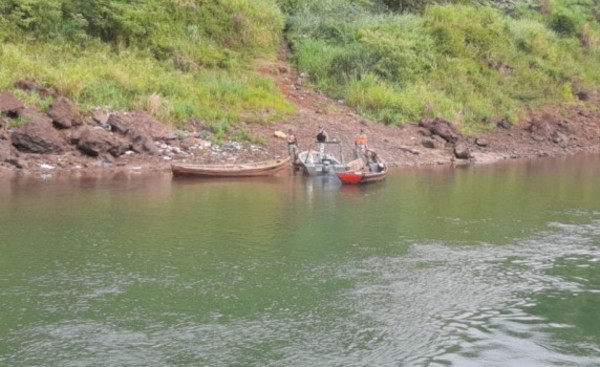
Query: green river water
[483, 266]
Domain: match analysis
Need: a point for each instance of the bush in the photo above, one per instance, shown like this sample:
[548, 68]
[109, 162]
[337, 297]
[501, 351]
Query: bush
[563, 25]
[178, 59]
[472, 64]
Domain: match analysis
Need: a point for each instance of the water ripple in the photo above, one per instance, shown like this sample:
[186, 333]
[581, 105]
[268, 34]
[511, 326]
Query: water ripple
[441, 304]
[469, 305]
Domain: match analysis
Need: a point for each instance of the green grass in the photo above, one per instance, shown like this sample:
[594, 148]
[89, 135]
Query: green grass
[130, 81]
[470, 64]
[192, 59]
[177, 59]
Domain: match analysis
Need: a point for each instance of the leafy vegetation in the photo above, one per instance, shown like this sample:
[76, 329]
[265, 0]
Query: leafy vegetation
[471, 63]
[178, 59]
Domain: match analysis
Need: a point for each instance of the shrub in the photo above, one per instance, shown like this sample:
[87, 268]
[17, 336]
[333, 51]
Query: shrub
[563, 25]
[473, 64]
[178, 59]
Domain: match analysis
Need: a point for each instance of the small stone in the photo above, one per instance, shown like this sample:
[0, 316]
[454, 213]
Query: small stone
[482, 142]
[428, 143]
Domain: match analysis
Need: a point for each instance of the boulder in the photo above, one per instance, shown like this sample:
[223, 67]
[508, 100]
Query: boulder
[100, 116]
[141, 142]
[482, 142]
[426, 123]
[428, 143]
[424, 132]
[140, 122]
[120, 122]
[504, 124]
[445, 129]
[36, 135]
[439, 141]
[140, 128]
[156, 129]
[75, 134]
[9, 104]
[64, 113]
[97, 141]
[461, 151]
[17, 162]
[29, 85]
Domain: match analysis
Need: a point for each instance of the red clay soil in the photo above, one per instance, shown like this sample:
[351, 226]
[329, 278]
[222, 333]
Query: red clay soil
[552, 131]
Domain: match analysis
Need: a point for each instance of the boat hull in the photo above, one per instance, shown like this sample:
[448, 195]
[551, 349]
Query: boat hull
[357, 178]
[313, 163]
[264, 168]
[359, 173]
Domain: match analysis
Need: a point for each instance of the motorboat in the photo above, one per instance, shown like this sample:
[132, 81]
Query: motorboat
[361, 172]
[314, 162]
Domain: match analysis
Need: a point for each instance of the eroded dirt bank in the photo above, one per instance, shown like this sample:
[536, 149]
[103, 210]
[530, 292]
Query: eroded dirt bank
[64, 139]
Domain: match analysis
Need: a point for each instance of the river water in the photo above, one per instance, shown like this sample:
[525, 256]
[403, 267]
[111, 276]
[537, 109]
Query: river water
[482, 266]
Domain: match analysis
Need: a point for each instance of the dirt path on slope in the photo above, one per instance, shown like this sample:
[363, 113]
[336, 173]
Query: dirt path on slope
[552, 131]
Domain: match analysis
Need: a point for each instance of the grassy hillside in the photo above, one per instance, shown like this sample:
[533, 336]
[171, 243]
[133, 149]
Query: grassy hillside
[178, 59]
[472, 64]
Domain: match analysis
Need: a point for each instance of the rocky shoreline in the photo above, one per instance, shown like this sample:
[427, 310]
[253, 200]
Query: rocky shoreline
[63, 139]
[66, 140]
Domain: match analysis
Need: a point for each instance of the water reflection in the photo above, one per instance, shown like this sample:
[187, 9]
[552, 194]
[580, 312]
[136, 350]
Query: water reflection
[361, 190]
[483, 266]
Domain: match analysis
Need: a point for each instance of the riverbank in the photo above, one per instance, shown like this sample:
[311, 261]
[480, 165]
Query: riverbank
[64, 139]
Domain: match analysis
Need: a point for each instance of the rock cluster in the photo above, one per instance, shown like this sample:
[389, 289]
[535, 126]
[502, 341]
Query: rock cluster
[65, 137]
[438, 131]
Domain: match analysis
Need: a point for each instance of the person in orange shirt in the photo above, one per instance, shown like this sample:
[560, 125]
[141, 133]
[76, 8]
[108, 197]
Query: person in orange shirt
[360, 145]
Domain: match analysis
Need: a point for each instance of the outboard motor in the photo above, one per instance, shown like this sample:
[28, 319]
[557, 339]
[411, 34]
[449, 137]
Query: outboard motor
[326, 166]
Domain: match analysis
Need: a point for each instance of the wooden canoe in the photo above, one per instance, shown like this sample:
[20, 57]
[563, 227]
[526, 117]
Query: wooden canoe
[264, 168]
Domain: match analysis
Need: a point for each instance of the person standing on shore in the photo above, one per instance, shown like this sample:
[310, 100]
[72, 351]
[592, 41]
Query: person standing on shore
[292, 142]
[360, 145]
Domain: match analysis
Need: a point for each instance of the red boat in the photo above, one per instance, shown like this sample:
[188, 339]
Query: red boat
[374, 171]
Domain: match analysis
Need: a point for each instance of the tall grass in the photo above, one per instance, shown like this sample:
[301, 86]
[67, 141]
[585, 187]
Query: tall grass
[191, 59]
[178, 59]
[470, 64]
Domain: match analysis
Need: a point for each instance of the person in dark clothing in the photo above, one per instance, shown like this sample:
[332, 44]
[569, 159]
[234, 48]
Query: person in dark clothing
[321, 139]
